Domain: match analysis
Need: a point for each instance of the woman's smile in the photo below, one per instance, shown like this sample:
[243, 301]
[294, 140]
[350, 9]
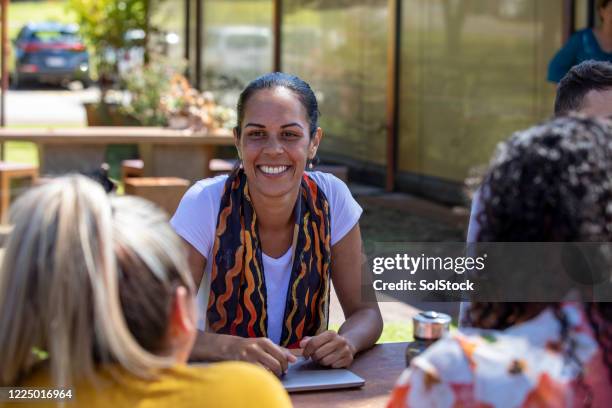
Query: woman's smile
[274, 170]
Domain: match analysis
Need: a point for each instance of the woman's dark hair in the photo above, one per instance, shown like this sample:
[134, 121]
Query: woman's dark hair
[279, 79]
[603, 3]
[550, 183]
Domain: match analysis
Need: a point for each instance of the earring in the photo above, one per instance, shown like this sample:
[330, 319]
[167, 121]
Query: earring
[310, 165]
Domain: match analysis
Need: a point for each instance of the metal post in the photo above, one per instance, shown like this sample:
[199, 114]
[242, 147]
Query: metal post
[3, 69]
[199, 41]
[187, 33]
[591, 13]
[4, 52]
[393, 81]
[569, 19]
[277, 21]
[147, 35]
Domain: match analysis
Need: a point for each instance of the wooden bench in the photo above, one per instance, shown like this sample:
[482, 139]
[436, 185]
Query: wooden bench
[8, 173]
[337, 170]
[221, 166]
[132, 168]
[166, 192]
[164, 152]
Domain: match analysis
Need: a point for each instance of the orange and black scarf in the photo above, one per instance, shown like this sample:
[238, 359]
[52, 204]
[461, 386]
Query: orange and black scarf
[238, 300]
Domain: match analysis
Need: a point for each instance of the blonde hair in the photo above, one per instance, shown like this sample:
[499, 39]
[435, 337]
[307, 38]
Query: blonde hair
[59, 280]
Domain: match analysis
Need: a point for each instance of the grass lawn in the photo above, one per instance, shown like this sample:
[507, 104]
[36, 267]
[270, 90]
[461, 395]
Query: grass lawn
[21, 152]
[25, 152]
[392, 332]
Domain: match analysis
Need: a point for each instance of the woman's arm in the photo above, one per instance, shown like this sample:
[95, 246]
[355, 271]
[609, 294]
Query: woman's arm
[363, 324]
[197, 264]
[220, 347]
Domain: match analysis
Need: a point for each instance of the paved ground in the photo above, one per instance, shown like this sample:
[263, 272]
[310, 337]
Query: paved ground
[47, 105]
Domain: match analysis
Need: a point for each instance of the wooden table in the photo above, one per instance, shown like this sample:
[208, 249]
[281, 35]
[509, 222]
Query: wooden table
[165, 152]
[380, 366]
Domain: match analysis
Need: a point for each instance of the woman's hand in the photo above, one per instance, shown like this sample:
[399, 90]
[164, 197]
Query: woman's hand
[262, 351]
[329, 349]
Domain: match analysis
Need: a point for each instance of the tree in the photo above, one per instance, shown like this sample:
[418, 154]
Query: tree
[103, 25]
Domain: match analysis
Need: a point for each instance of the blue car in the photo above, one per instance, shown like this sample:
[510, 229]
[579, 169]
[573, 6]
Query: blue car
[52, 53]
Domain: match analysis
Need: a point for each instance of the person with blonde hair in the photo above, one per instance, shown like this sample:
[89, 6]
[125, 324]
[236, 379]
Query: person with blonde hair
[96, 296]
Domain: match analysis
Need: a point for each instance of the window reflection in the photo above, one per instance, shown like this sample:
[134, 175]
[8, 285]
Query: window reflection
[472, 73]
[340, 48]
[237, 46]
[168, 20]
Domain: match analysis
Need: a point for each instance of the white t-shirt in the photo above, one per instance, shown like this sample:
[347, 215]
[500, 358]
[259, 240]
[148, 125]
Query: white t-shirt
[196, 221]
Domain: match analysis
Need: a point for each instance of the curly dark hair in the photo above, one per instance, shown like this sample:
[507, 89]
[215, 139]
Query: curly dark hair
[550, 183]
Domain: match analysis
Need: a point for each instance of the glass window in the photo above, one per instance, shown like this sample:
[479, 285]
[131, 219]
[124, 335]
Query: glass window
[237, 46]
[168, 19]
[472, 73]
[340, 48]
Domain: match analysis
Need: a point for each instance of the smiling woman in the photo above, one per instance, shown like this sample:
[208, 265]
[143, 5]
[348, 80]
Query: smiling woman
[266, 241]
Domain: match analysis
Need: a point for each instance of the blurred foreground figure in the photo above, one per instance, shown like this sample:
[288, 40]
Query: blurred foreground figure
[550, 183]
[96, 296]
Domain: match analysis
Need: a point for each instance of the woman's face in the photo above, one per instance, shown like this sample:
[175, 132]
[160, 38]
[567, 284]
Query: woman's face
[275, 143]
[606, 13]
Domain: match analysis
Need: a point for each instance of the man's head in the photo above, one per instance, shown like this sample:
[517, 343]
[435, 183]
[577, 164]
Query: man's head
[586, 88]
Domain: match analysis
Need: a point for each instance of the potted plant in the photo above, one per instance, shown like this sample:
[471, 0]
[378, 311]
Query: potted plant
[186, 107]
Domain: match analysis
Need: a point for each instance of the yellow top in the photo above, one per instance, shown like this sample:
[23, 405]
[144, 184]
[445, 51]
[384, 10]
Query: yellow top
[229, 384]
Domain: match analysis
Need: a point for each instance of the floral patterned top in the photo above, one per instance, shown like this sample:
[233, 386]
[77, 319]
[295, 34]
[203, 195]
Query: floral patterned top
[522, 366]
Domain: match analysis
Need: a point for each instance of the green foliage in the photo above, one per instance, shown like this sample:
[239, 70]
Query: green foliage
[23, 12]
[103, 23]
[21, 152]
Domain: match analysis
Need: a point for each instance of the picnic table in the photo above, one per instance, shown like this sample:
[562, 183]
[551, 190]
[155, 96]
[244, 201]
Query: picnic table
[165, 152]
[380, 366]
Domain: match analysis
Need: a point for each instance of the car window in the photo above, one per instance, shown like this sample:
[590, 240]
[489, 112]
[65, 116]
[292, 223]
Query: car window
[53, 36]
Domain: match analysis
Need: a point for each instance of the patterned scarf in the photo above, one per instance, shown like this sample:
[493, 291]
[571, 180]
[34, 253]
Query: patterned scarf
[238, 300]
